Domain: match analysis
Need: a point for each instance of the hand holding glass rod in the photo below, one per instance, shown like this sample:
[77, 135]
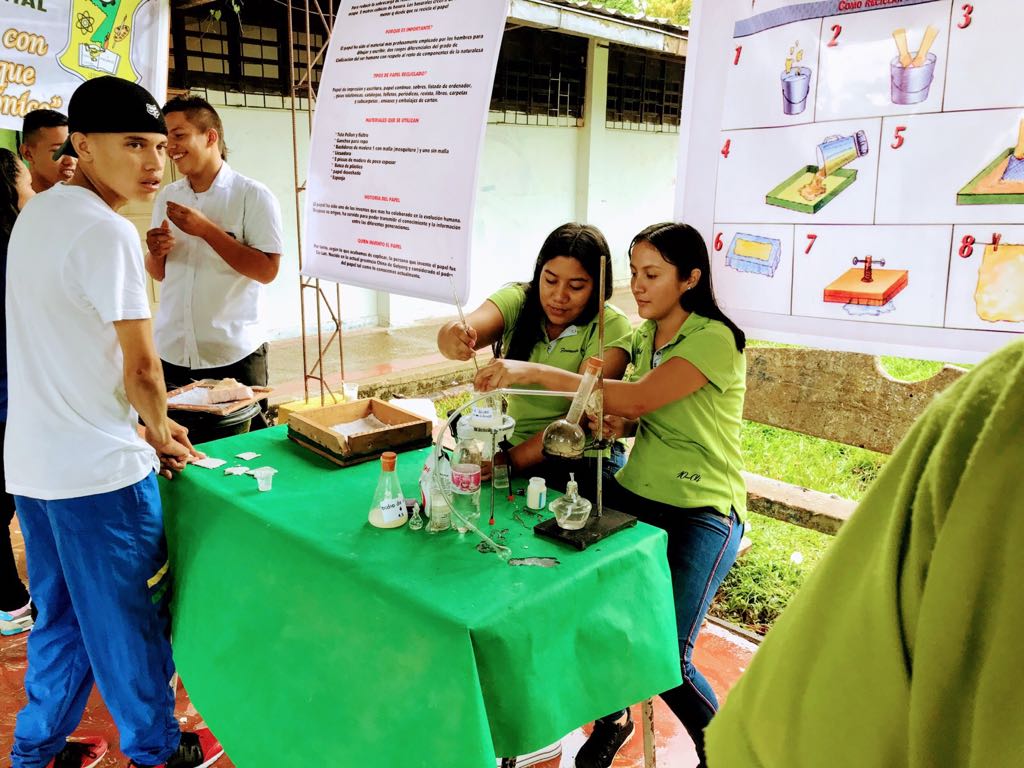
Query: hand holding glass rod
[462, 317]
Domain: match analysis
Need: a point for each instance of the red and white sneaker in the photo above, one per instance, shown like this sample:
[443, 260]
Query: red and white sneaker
[197, 749]
[80, 753]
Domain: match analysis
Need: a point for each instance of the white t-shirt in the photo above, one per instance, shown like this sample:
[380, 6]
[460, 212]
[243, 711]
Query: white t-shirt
[209, 314]
[74, 267]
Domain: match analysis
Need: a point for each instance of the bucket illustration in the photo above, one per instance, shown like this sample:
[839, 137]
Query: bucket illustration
[796, 85]
[838, 151]
[910, 85]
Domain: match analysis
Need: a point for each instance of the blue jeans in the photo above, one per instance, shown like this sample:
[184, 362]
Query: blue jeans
[97, 566]
[702, 546]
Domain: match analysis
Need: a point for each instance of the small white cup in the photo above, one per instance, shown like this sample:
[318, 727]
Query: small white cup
[351, 391]
[264, 477]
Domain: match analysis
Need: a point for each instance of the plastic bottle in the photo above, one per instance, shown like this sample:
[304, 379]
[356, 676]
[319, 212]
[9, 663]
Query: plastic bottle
[537, 493]
[387, 510]
[571, 510]
[466, 477]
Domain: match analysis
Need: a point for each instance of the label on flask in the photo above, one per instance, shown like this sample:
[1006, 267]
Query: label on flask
[392, 510]
[466, 478]
[482, 413]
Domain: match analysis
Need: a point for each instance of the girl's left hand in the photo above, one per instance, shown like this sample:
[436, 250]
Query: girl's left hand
[504, 373]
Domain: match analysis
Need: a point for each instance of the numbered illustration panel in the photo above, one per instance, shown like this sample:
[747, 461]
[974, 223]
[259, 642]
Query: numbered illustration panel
[952, 168]
[804, 173]
[753, 266]
[985, 56]
[772, 77]
[893, 275]
[886, 62]
[986, 278]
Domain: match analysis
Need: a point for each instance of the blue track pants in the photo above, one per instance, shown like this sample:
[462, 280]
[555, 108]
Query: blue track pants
[97, 566]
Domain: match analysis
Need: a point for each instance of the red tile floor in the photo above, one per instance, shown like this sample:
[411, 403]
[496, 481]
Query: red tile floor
[720, 654]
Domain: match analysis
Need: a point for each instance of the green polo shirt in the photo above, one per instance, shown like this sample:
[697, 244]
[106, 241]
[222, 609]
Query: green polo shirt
[567, 352]
[903, 647]
[687, 453]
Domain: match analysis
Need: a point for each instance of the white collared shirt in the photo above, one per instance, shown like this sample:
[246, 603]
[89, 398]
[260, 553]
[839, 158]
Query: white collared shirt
[209, 314]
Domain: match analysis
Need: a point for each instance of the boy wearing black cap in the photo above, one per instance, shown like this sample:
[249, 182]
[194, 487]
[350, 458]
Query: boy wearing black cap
[82, 369]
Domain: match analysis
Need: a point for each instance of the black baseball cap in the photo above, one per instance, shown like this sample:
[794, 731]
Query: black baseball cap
[111, 105]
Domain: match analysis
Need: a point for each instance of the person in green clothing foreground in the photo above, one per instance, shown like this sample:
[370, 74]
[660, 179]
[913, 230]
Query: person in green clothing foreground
[552, 322]
[684, 403]
[903, 647]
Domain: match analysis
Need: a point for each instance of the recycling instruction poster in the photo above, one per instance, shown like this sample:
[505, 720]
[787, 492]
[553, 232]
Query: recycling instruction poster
[50, 47]
[858, 173]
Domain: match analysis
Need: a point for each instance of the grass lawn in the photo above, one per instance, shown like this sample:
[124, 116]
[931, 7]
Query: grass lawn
[762, 582]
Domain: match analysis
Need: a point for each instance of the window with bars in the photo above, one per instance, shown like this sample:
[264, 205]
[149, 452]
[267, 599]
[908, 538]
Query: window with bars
[246, 54]
[540, 79]
[645, 90]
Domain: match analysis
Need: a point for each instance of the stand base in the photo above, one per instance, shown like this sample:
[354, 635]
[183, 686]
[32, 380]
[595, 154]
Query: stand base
[597, 529]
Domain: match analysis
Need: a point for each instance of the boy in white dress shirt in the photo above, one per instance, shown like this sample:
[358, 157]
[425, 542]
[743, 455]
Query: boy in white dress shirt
[215, 242]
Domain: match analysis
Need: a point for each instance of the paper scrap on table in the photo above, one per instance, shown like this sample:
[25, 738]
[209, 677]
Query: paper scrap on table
[236, 471]
[366, 424]
[247, 456]
[209, 463]
[194, 396]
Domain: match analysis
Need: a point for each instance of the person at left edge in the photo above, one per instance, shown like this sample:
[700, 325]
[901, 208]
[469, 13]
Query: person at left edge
[15, 607]
[214, 244]
[82, 372]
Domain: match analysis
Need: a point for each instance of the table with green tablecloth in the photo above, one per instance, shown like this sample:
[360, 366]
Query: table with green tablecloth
[305, 636]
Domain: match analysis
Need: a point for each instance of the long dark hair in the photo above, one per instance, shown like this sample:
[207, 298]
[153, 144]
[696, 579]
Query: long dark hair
[587, 245]
[8, 191]
[682, 246]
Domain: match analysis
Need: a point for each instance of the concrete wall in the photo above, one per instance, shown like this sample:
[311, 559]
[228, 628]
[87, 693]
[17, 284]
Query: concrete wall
[531, 180]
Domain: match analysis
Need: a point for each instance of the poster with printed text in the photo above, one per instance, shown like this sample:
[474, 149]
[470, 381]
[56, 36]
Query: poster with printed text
[396, 144]
[50, 47]
[857, 169]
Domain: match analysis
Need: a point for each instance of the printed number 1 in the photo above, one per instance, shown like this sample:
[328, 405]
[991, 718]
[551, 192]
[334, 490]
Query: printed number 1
[837, 30]
[898, 137]
[739, 50]
[968, 9]
[810, 243]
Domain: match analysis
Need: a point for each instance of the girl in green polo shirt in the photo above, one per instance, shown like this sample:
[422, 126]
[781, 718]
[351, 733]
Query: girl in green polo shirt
[684, 404]
[550, 321]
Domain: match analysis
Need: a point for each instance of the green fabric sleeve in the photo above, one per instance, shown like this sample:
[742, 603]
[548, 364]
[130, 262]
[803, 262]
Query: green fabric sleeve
[618, 333]
[509, 301]
[903, 647]
[712, 349]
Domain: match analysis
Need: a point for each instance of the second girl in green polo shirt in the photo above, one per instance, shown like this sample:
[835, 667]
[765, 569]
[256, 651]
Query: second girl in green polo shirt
[684, 403]
[550, 321]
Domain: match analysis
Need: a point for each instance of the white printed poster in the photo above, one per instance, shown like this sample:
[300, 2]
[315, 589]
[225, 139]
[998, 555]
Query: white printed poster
[857, 168]
[397, 135]
[50, 47]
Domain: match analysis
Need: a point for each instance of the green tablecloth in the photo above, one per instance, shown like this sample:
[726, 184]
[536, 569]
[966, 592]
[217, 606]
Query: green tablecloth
[307, 637]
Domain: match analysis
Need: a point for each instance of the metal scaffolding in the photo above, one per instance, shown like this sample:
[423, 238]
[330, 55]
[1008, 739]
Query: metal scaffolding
[315, 300]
